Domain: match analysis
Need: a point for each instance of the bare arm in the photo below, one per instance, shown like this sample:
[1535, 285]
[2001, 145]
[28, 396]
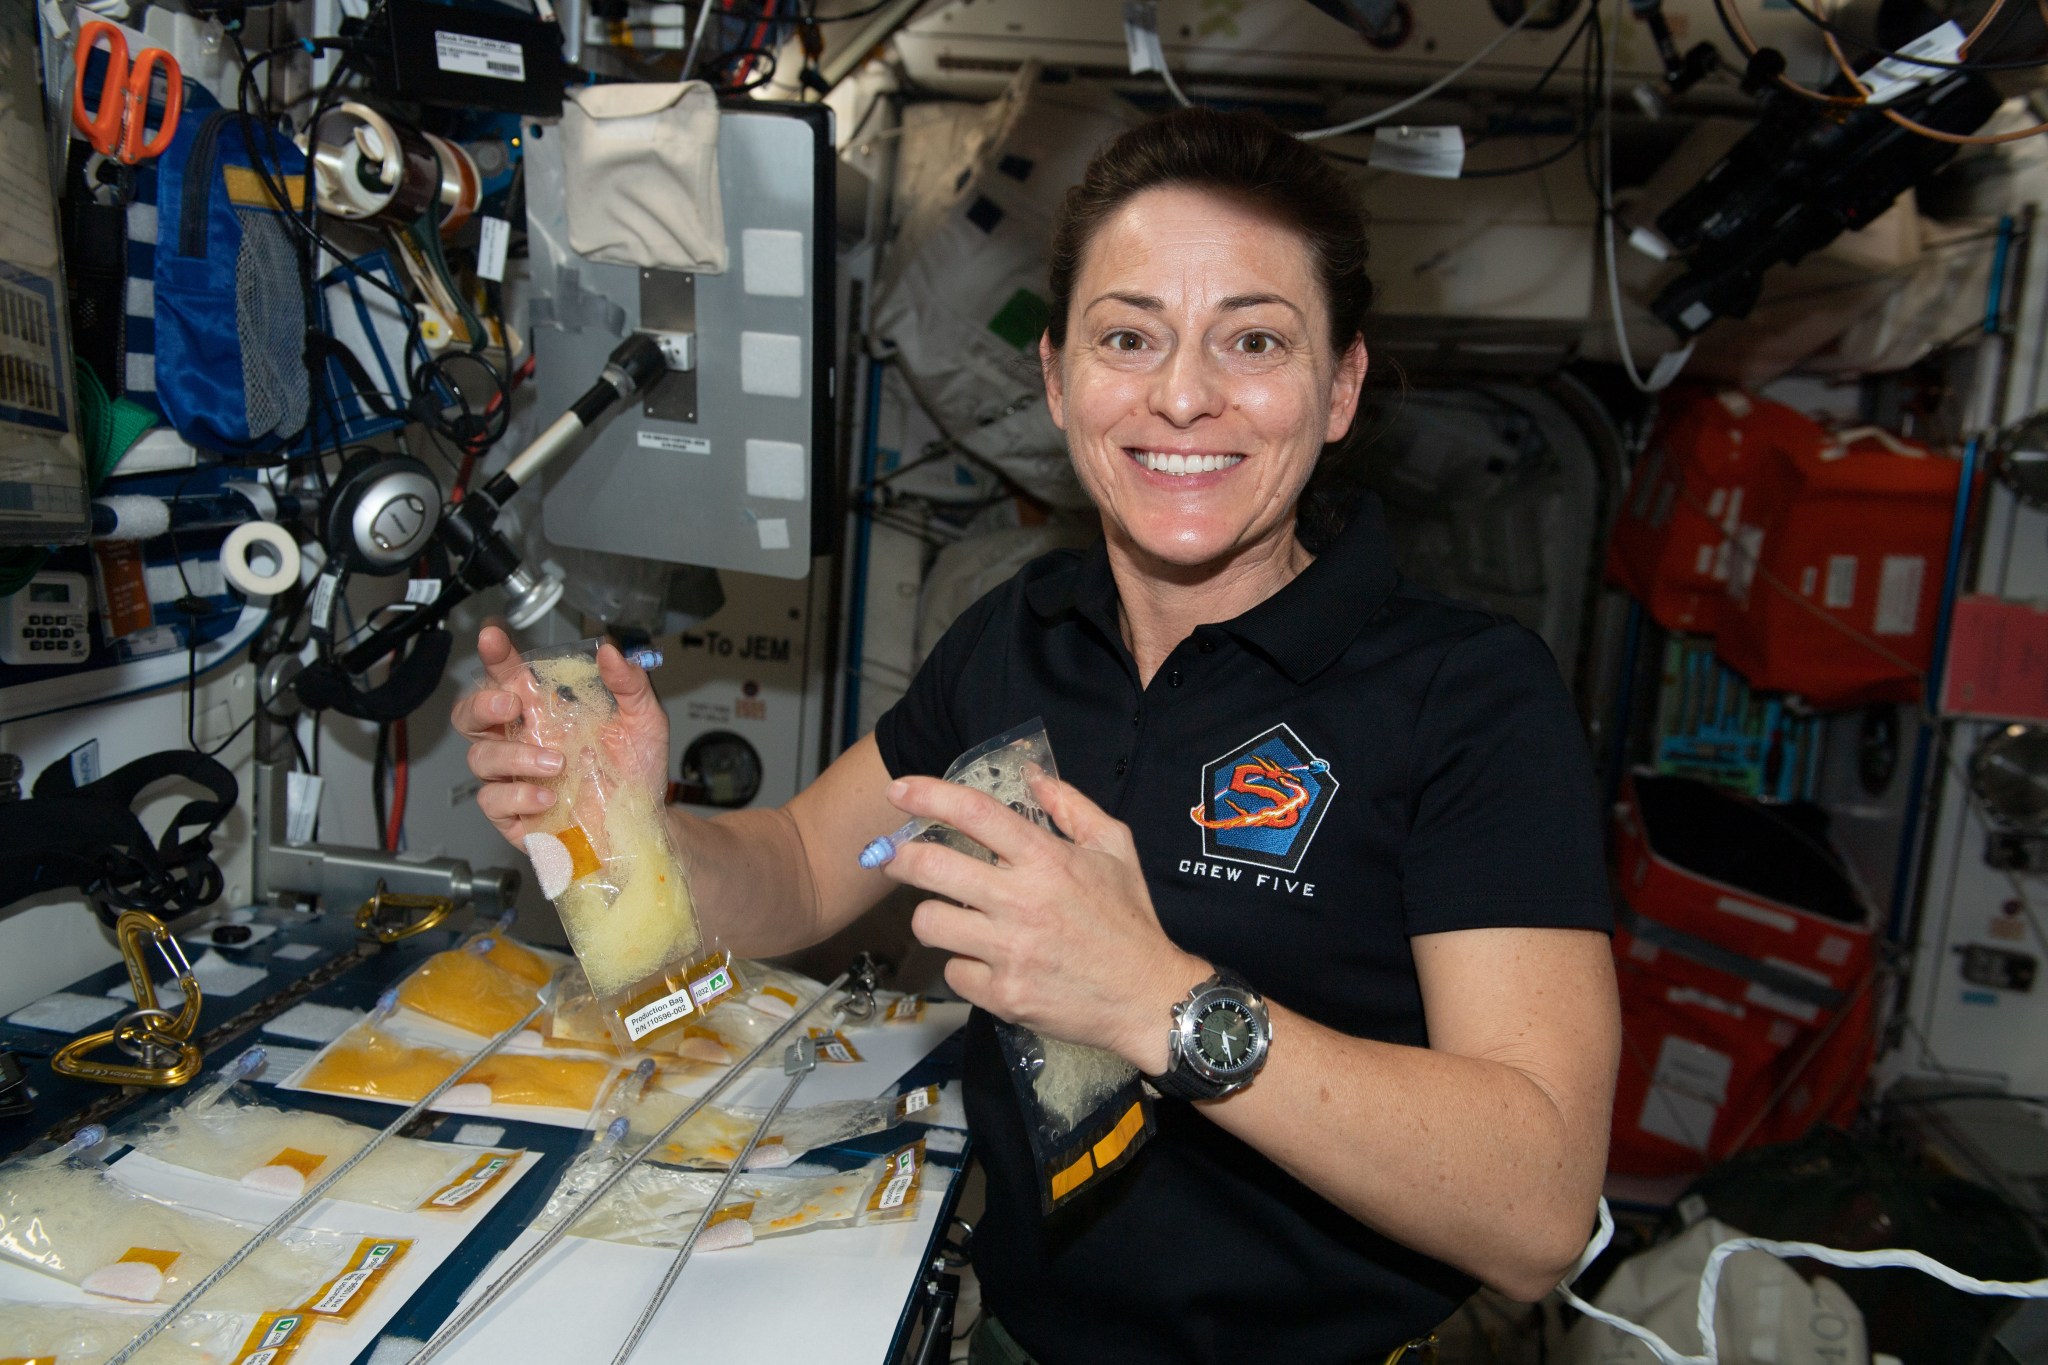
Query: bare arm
[1485, 1149]
[774, 881]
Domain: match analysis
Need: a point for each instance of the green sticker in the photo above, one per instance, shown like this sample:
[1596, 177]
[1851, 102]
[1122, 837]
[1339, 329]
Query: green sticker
[1021, 321]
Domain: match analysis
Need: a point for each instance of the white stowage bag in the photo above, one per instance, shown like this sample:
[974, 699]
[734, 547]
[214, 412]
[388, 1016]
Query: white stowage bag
[641, 171]
[1765, 1313]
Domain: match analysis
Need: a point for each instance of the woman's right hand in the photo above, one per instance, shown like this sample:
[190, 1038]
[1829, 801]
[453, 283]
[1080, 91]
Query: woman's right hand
[512, 763]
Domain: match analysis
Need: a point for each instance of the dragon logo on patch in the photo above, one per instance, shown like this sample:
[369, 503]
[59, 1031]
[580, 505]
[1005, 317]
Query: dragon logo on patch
[1262, 801]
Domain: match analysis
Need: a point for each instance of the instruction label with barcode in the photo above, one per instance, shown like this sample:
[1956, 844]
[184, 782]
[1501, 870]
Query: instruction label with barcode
[469, 55]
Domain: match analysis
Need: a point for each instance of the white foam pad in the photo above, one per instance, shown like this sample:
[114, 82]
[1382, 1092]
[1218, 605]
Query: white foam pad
[770, 1158]
[468, 1095]
[732, 1233]
[276, 1180]
[137, 517]
[553, 865]
[138, 1281]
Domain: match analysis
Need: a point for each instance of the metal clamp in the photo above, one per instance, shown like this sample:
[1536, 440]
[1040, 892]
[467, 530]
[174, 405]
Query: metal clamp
[157, 1039]
[863, 979]
[374, 917]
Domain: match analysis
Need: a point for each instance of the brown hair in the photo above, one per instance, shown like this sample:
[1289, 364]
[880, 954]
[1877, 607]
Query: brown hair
[1246, 156]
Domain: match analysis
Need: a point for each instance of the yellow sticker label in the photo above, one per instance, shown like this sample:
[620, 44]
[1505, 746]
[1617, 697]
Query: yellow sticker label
[28, 1360]
[833, 1047]
[583, 859]
[275, 1337]
[908, 1010]
[162, 1260]
[341, 1296]
[1111, 1144]
[305, 1163]
[729, 1213]
[1073, 1177]
[786, 997]
[473, 1184]
[896, 1193]
[246, 189]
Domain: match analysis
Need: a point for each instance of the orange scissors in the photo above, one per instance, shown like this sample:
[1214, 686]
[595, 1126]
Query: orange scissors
[114, 126]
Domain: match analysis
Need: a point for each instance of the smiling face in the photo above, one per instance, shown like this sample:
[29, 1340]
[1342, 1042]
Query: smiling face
[1198, 384]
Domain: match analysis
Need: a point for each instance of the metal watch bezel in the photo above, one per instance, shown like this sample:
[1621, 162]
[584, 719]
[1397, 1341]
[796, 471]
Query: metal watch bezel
[1187, 1018]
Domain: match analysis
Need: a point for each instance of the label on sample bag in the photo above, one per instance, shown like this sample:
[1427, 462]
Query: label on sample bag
[341, 1296]
[711, 986]
[470, 55]
[777, 993]
[645, 1020]
[472, 1184]
[916, 1101]
[908, 1010]
[274, 1337]
[833, 1047]
[28, 1360]
[906, 1173]
[162, 1260]
[729, 1213]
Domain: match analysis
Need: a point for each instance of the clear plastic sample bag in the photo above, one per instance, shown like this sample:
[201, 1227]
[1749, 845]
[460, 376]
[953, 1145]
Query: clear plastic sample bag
[1084, 1108]
[603, 855]
[72, 1334]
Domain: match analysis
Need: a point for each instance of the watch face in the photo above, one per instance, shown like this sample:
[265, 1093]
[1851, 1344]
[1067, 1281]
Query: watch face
[1226, 1035]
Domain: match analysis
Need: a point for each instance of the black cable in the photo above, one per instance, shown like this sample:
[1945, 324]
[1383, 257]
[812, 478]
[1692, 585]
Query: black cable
[1888, 54]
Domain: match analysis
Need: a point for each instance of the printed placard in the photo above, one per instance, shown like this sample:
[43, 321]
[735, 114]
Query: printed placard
[341, 1296]
[470, 55]
[473, 1184]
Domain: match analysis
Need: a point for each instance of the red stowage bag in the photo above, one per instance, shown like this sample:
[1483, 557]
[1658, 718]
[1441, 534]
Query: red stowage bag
[1741, 875]
[1715, 1061]
[1695, 484]
[1836, 573]
[1745, 957]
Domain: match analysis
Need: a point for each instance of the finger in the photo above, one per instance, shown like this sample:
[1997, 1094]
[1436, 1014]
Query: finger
[953, 929]
[629, 683]
[1083, 821]
[500, 760]
[947, 872]
[970, 979]
[500, 660]
[478, 715]
[506, 801]
[975, 814]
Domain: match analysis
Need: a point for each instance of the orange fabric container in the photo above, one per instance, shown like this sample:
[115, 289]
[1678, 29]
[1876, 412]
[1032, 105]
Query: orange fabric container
[1694, 487]
[1841, 538]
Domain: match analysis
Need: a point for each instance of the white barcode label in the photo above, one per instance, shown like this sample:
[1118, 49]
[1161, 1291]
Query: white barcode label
[1896, 74]
[915, 1101]
[301, 807]
[706, 989]
[494, 235]
[666, 1010]
[422, 591]
[469, 55]
[1899, 580]
[897, 1190]
[1841, 591]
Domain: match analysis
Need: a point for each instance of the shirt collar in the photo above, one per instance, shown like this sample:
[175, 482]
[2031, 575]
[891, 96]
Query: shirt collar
[1302, 628]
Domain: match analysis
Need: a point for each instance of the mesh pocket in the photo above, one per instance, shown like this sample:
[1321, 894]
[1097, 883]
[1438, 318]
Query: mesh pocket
[270, 317]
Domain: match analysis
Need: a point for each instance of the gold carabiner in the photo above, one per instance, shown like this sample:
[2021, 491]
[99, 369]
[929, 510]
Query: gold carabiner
[157, 1039]
[371, 918]
[1424, 1348]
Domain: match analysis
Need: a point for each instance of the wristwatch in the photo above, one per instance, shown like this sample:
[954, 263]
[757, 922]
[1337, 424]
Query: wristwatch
[1218, 1041]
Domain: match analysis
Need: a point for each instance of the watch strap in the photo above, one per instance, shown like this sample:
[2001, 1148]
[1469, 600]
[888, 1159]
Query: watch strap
[1181, 1081]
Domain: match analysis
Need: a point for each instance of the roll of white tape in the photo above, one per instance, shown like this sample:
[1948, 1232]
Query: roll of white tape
[277, 544]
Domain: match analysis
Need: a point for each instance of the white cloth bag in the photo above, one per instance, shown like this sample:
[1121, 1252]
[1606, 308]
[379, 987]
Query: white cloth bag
[641, 169]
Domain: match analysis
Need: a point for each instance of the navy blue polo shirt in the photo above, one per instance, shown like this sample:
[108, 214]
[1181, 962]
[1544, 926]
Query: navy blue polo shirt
[1352, 762]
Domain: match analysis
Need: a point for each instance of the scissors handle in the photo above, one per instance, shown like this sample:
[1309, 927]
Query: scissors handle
[100, 125]
[133, 146]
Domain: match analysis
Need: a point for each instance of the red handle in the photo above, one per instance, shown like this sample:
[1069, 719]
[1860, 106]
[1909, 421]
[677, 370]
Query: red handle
[152, 60]
[101, 126]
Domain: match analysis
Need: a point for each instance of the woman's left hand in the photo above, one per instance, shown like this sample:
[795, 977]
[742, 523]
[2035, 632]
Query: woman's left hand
[1059, 937]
